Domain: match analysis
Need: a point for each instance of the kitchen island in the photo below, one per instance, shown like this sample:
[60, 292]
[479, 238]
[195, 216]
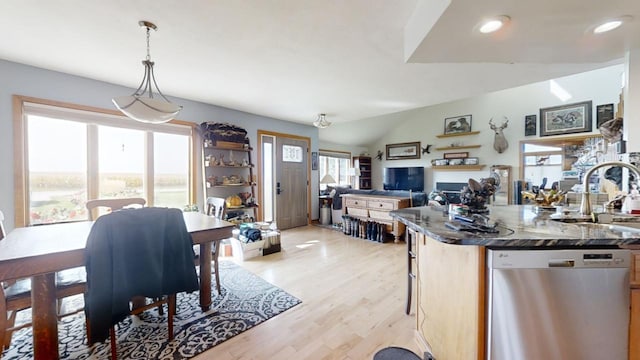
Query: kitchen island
[451, 276]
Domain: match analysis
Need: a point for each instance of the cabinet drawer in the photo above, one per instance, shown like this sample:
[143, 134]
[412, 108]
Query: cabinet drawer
[379, 204]
[355, 203]
[379, 215]
[357, 212]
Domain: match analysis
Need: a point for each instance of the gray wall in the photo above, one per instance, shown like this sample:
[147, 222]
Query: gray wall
[18, 79]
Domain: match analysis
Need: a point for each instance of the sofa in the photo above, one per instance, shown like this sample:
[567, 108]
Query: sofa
[418, 198]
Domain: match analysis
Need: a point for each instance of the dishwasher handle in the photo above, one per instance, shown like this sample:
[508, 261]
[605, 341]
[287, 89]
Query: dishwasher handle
[564, 263]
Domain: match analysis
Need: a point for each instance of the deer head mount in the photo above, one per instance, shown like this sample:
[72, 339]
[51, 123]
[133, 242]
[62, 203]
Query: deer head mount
[500, 142]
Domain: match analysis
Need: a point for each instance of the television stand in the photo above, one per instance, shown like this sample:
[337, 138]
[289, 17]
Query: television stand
[376, 208]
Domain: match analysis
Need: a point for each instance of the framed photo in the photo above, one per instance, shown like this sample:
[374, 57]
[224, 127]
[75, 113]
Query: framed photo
[530, 126]
[410, 150]
[471, 161]
[457, 124]
[604, 113]
[314, 160]
[566, 119]
[439, 162]
[456, 155]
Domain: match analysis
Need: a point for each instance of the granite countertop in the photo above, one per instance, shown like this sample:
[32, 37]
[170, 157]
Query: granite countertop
[518, 225]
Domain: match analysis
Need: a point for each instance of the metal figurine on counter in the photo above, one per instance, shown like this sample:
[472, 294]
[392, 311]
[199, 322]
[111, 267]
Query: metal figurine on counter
[476, 194]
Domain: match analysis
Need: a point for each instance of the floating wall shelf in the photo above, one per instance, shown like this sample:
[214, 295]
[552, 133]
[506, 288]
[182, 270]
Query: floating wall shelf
[458, 134]
[458, 167]
[459, 147]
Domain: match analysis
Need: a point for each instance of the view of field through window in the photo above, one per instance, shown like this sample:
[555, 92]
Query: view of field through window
[59, 178]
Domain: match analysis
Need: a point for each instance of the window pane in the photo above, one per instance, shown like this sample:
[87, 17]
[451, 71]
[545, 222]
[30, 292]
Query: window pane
[57, 170]
[121, 154]
[171, 170]
[291, 153]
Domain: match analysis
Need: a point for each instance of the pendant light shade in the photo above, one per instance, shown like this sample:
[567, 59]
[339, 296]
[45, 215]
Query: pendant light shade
[144, 104]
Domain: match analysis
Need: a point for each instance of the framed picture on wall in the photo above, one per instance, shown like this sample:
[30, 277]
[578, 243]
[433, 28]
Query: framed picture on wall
[457, 124]
[410, 150]
[314, 160]
[530, 126]
[604, 113]
[566, 119]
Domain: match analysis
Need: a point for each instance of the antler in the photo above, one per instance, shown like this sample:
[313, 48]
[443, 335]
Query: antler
[491, 124]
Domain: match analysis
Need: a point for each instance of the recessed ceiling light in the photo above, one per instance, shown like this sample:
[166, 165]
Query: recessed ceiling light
[608, 26]
[611, 24]
[493, 24]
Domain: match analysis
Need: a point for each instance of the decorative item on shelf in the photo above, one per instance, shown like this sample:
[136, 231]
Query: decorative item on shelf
[566, 119]
[500, 143]
[247, 198]
[223, 134]
[476, 194]
[456, 155]
[471, 161]
[232, 180]
[321, 122]
[457, 124]
[233, 201]
[439, 162]
[245, 162]
[148, 109]
[211, 181]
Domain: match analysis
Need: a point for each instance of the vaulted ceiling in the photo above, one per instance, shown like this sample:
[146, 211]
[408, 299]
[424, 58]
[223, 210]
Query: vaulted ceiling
[354, 60]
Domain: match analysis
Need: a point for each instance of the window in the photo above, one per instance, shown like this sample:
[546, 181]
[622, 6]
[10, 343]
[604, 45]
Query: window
[335, 164]
[72, 154]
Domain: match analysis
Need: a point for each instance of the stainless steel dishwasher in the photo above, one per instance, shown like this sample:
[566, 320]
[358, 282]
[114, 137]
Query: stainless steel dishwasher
[558, 304]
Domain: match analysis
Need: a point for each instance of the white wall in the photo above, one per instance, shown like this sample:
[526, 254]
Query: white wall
[600, 86]
[18, 79]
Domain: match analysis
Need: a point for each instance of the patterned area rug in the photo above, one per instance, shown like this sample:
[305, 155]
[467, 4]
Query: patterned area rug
[246, 301]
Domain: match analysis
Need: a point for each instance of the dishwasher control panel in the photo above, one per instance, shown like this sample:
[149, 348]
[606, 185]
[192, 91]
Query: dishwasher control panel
[536, 259]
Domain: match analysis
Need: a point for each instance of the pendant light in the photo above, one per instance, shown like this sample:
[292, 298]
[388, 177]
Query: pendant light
[322, 122]
[142, 105]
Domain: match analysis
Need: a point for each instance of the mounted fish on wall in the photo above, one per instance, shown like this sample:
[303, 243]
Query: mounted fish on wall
[500, 142]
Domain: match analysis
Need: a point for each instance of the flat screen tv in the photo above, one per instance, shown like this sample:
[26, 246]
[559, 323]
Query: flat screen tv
[404, 178]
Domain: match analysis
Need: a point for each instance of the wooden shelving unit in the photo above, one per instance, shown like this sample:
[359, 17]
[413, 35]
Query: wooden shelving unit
[458, 167]
[364, 164]
[458, 147]
[458, 134]
[237, 163]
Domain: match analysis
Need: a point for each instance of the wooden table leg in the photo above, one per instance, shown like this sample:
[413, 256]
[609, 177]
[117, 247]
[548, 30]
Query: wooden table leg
[44, 317]
[205, 276]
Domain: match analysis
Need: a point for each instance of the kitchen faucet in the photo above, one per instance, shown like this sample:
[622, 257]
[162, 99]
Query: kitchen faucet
[585, 205]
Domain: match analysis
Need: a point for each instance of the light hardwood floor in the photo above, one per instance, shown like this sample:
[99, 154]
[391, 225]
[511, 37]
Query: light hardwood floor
[353, 298]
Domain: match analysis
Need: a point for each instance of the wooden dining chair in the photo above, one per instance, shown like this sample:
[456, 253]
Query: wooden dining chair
[144, 252]
[215, 207]
[15, 296]
[109, 205]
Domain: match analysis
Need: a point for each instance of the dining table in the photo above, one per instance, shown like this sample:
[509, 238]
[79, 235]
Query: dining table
[38, 252]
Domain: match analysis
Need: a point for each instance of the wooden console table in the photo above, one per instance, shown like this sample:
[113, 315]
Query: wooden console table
[376, 208]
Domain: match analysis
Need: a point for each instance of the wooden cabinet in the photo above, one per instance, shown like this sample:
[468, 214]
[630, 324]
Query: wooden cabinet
[376, 208]
[363, 181]
[450, 307]
[634, 323]
[227, 171]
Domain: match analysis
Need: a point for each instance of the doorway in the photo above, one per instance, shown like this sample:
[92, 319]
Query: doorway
[284, 169]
